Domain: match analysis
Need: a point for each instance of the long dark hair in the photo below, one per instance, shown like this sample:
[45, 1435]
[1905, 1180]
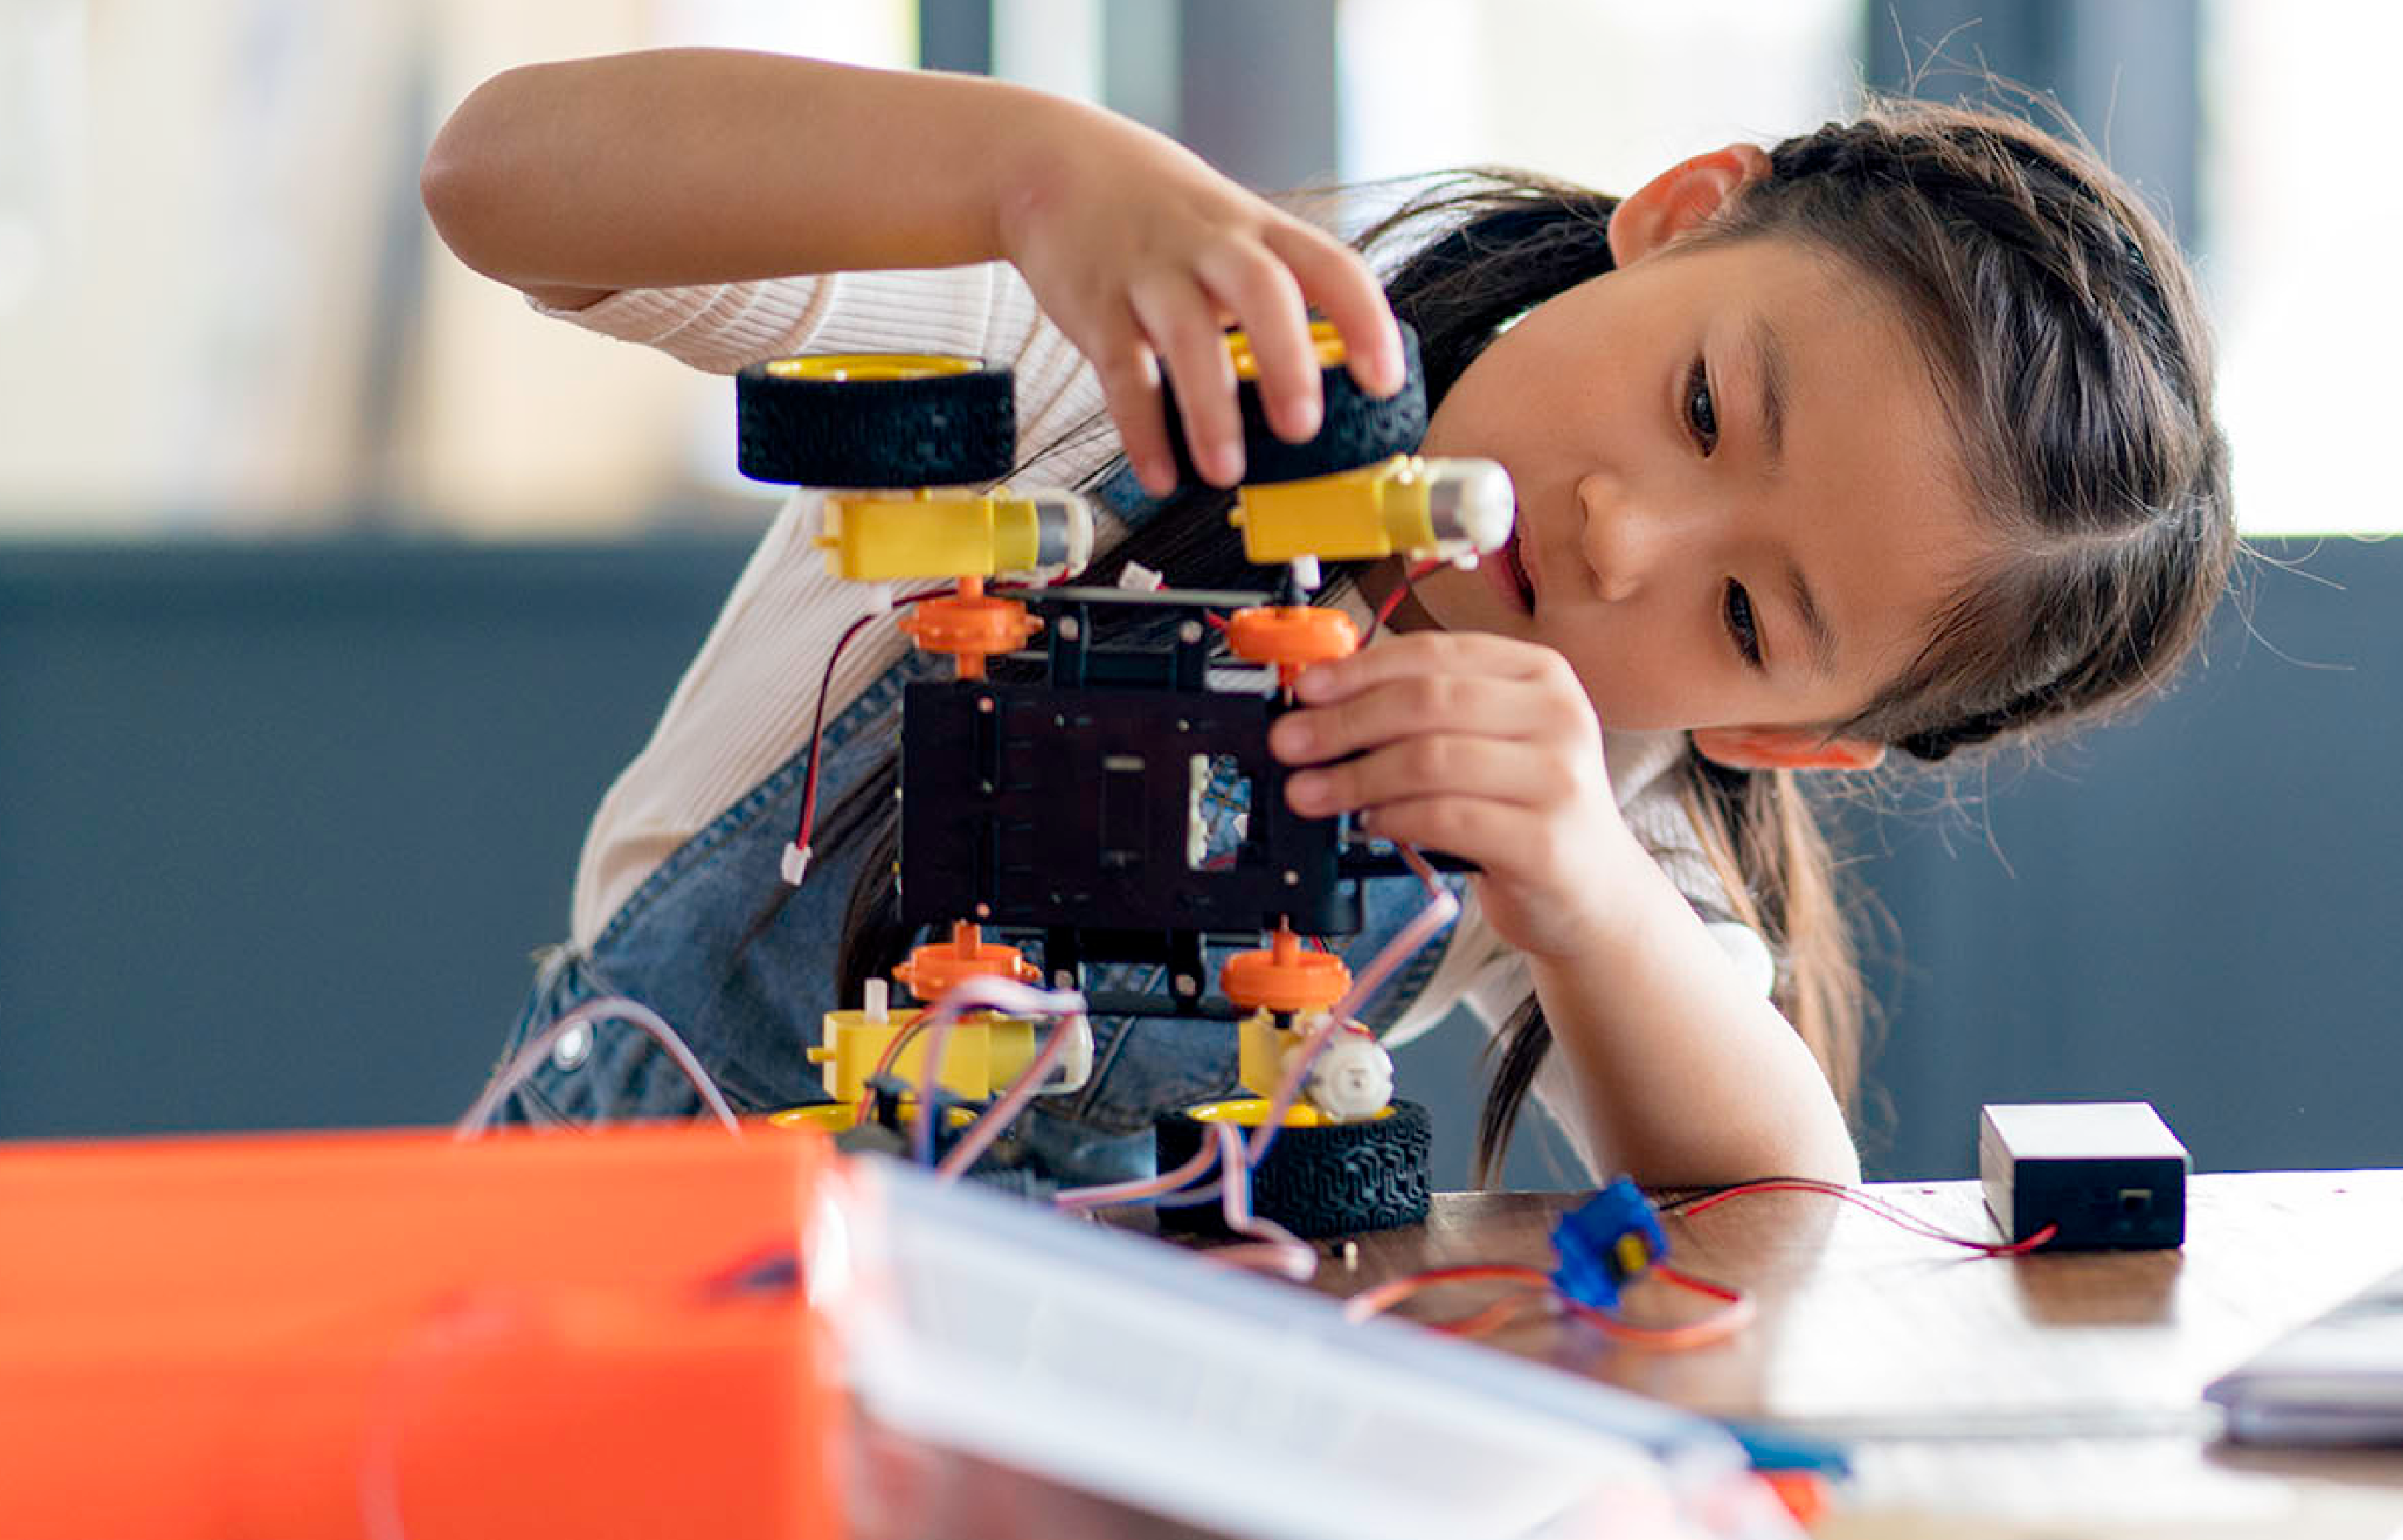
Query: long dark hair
[2057, 314]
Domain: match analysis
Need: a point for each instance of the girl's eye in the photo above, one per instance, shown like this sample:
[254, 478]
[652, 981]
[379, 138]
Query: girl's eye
[1740, 623]
[1702, 414]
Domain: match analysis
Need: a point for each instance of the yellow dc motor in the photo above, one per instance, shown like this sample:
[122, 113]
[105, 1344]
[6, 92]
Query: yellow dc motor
[1356, 492]
[981, 1053]
[1423, 509]
[950, 532]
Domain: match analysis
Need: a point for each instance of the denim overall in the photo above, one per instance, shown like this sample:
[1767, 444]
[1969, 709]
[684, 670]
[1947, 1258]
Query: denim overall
[750, 1004]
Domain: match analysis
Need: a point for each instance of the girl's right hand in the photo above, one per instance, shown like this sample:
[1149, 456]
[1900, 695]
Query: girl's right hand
[1143, 254]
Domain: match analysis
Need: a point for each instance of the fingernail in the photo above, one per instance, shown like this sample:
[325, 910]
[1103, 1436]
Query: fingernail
[1307, 792]
[1290, 740]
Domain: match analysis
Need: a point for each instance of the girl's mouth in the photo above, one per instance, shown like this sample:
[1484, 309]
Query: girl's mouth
[1506, 571]
[1514, 567]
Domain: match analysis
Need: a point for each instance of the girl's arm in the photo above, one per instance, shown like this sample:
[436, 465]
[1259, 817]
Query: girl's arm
[1690, 1077]
[685, 166]
[1487, 748]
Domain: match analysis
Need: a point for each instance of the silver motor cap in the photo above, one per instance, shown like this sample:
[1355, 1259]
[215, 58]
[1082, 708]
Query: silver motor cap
[1470, 502]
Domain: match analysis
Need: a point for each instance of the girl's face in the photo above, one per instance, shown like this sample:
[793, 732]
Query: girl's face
[1741, 505]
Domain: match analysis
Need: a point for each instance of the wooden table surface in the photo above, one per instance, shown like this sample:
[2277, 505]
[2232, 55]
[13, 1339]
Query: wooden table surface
[2050, 1395]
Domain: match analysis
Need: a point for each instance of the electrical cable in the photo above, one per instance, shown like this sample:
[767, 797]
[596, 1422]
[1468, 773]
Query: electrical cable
[1735, 1311]
[1893, 1214]
[987, 1127]
[1141, 1188]
[607, 1008]
[1393, 600]
[986, 992]
[1441, 910]
[1737, 1308]
[1276, 1249]
[797, 856]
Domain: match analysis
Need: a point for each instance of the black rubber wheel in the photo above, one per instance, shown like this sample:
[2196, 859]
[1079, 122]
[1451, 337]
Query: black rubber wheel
[1339, 1179]
[935, 430]
[1357, 429]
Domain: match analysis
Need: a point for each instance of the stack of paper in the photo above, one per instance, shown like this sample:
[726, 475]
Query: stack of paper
[2336, 1380]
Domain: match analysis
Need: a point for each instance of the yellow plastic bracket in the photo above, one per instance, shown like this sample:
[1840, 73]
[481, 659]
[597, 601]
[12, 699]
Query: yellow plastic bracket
[1259, 1053]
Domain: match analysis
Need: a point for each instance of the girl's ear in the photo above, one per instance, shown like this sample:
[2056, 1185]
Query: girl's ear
[1784, 748]
[1681, 198]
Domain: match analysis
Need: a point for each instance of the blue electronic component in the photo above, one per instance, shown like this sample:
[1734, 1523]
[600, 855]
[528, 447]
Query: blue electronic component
[1612, 1238]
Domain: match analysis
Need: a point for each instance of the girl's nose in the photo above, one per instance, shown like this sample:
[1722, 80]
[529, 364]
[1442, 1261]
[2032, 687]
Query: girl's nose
[1622, 539]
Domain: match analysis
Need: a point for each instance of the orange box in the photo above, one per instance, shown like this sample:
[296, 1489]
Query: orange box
[395, 1335]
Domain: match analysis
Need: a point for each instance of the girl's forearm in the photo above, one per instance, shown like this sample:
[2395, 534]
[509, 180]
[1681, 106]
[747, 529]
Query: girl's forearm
[695, 165]
[1688, 1076]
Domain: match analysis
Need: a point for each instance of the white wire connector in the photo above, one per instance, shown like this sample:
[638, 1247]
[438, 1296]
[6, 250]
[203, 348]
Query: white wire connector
[1306, 575]
[797, 863]
[1140, 578]
[1075, 1065]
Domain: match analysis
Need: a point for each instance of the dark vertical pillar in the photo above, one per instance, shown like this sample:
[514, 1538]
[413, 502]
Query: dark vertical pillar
[2127, 73]
[956, 35]
[1140, 47]
[1256, 95]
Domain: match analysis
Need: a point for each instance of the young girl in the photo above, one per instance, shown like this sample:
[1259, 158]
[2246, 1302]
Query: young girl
[1894, 436]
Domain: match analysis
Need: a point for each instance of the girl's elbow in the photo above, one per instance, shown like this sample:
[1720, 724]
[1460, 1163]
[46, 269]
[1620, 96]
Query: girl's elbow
[465, 180]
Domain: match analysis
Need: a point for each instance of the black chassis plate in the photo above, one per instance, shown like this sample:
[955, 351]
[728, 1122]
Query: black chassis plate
[1028, 805]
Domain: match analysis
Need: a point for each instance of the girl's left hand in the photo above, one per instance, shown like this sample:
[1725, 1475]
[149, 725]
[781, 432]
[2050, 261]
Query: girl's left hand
[1482, 747]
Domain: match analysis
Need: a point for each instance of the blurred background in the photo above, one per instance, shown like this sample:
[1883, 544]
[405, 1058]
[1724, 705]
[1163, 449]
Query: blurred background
[335, 584]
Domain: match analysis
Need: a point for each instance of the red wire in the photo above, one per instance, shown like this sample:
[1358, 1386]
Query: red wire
[817, 721]
[1879, 1207]
[1394, 600]
[1734, 1313]
[1735, 1310]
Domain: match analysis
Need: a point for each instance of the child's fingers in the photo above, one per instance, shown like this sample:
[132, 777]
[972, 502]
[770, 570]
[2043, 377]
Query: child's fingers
[1129, 372]
[1436, 764]
[1495, 835]
[1413, 707]
[1267, 302]
[1339, 281]
[1182, 322]
[1479, 654]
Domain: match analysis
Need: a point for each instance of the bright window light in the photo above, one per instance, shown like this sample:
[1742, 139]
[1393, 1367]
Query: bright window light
[2303, 232]
[1605, 92]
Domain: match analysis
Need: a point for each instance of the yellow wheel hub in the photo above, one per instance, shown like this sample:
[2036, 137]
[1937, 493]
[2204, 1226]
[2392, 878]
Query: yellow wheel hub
[1250, 1112]
[840, 367]
[1322, 341]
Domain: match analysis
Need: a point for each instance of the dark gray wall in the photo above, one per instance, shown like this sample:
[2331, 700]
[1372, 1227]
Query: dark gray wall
[279, 825]
[2202, 908]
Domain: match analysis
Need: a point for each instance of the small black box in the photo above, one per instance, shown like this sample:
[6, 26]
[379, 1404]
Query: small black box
[2108, 1174]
